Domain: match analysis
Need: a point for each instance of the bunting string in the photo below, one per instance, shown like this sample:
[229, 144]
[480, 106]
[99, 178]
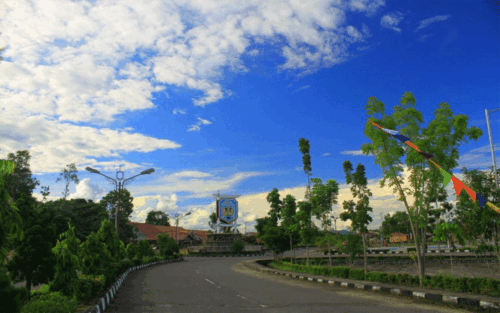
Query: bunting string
[447, 177]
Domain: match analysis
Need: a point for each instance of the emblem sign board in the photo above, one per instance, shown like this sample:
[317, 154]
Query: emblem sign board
[227, 210]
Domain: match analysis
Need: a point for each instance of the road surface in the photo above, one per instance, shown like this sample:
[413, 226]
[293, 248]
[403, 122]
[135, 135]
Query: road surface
[226, 285]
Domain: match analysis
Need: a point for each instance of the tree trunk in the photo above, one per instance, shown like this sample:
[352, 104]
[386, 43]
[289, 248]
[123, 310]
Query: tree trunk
[364, 250]
[307, 249]
[451, 262]
[330, 253]
[291, 247]
[424, 250]
[439, 248]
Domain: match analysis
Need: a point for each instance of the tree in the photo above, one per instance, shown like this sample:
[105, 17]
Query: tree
[304, 148]
[476, 221]
[144, 249]
[66, 279]
[157, 218]
[166, 245]
[20, 181]
[94, 255]
[45, 192]
[213, 221]
[33, 260]
[353, 246]
[237, 246]
[107, 235]
[444, 231]
[326, 242]
[437, 140]
[289, 223]
[358, 212]
[11, 223]
[131, 250]
[272, 236]
[68, 174]
[323, 197]
[126, 231]
[307, 230]
[399, 222]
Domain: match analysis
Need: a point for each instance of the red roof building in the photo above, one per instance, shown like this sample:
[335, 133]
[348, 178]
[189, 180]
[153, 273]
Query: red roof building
[149, 232]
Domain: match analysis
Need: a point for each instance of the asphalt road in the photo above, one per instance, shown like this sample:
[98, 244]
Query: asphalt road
[226, 285]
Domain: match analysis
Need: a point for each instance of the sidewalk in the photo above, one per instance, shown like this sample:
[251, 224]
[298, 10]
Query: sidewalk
[439, 295]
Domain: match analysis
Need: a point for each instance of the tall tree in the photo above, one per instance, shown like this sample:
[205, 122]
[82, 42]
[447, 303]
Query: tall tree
[157, 218]
[399, 222]
[308, 230]
[21, 180]
[304, 148]
[437, 139]
[358, 212]
[126, 231]
[445, 231]
[213, 221]
[33, 260]
[290, 223]
[68, 175]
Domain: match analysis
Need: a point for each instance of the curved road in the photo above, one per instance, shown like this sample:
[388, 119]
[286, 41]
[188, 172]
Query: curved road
[226, 285]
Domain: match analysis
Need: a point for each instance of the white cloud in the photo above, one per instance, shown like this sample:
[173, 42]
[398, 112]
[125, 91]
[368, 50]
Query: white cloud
[85, 189]
[424, 37]
[191, 174]
[197, 126]
[253, 52]
[392, 20]
[179, 111]
[326, 154]
[425, 23]
[370, 7]
[301, 88]
[353, 152]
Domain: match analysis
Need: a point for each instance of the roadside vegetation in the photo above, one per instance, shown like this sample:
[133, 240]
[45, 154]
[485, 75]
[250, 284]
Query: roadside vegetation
[431, 219]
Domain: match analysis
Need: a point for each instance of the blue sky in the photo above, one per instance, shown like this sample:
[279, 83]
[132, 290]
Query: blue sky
[215, 96]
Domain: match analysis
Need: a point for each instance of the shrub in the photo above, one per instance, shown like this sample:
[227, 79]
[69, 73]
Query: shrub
[53, 302]
[137, 262]
[131, 250]
[125, 264]
[358, 274]
[91, 286]
[13, 298]
[237, 246]
[340, 271]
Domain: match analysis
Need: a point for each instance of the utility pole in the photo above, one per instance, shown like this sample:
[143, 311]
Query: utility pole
[491, 145]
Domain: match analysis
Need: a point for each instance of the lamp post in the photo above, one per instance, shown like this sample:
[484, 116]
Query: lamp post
[491, 144]
[119, 185]
[177, 217]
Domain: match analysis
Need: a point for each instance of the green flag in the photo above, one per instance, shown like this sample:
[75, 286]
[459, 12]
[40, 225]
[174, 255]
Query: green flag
[446, 177]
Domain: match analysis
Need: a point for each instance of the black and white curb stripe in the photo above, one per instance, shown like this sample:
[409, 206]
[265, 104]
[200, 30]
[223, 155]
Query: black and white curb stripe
[471, 302]
[103, 302]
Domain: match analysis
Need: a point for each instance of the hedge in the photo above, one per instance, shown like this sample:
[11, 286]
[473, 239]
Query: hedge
[478, 285]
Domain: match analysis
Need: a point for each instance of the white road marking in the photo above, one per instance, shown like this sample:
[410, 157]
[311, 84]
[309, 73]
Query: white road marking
[262, 305]
[209, 281]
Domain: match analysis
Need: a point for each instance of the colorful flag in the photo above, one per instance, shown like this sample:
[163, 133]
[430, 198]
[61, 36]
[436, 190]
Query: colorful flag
[457, 183]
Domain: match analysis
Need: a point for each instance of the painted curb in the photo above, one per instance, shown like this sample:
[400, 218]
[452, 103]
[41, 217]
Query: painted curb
[101, 305]
[221, 256]
[463, 301]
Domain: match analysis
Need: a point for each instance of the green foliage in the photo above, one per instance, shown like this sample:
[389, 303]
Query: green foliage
[94, 255]
[125, 230]
[358, 274]
[353, 247]
[21, 182]
[54, 302]
[144, 249]
[166, 245]
[131, 250]
[399, 222]
[66, 251]
[68, 175]
[157, 218]
[107, 235]
[33, 260]
[237, 246]
[11, 298]
[323, 197]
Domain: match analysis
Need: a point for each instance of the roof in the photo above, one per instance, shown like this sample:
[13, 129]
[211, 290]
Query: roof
[150, 231]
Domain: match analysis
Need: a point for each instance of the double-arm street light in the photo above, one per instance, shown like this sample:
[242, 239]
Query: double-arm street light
[119, 186]
[177, 217]
[491, 145]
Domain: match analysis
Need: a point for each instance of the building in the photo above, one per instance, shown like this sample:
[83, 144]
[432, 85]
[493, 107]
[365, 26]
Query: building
[398, 237]
[186, 237]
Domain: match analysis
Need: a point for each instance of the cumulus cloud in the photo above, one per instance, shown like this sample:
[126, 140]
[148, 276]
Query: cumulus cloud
[425, 23]
[326, 154]
[85, 189]
[392, 20]
[424, 37]
[301, 88]
[197, 126]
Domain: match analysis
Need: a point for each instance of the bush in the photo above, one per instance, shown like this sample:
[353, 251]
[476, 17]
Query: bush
[53, 302]
[137, 262]
[124, 265]
[91, 286]
[358, 274]
[11, 297]
[237, 246]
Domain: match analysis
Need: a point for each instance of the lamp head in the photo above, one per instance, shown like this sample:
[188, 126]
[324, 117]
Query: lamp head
[92, 170]
[149, 171]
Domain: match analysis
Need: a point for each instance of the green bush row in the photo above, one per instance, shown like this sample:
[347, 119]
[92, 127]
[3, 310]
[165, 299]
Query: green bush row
[478, 285]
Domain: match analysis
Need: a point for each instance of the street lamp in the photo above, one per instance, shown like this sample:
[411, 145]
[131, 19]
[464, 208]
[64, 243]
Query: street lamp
[119, 185]
[177, 217]
[491, 145]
